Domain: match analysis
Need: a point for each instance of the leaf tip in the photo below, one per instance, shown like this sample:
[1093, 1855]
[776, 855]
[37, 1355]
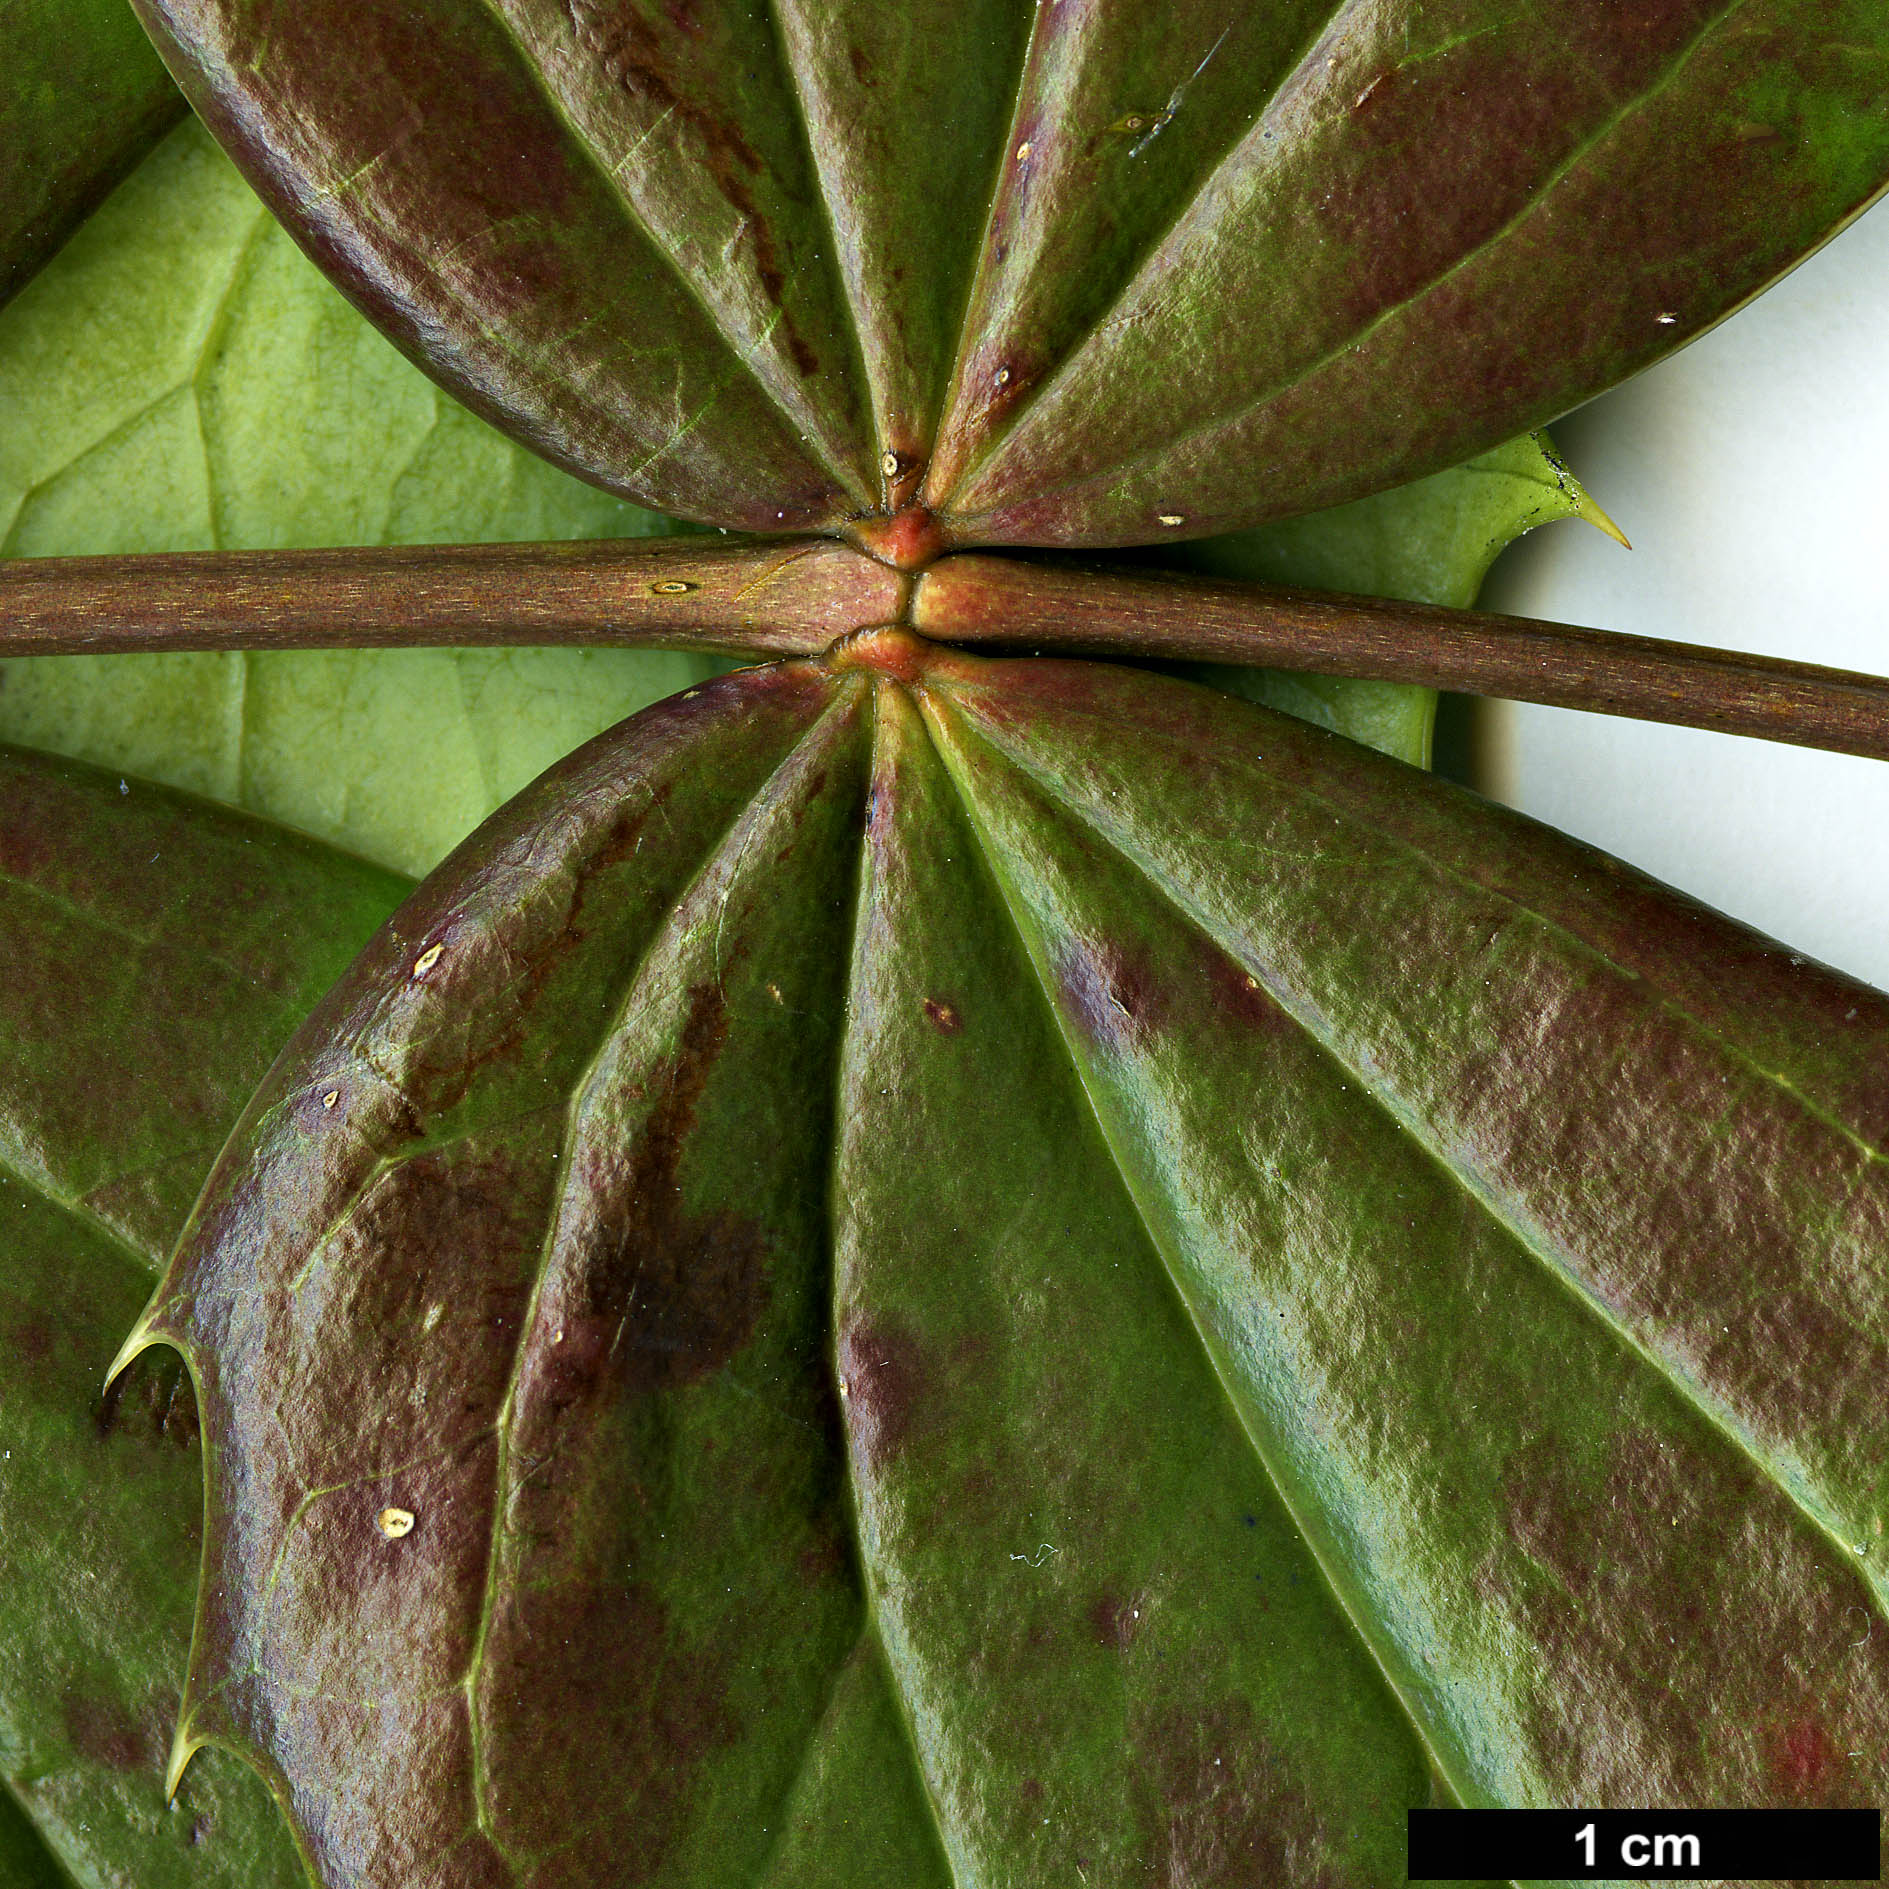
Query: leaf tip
[1581, 502]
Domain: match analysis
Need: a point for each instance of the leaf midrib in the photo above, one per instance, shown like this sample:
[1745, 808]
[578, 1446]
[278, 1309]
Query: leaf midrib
[1210, 1353]
[1118, 469]
[1471, 1182]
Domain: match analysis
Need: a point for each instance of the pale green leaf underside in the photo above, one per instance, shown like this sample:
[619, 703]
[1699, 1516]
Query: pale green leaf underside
[181, 378]
[1431, 541]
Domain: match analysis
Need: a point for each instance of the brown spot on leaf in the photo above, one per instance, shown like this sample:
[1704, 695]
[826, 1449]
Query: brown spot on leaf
[1238, 993]
[606, 1713]
[943, 1017]
[665, 1297]
[33, 1339]
[1645, 1579]
[1804, 1757]
[102, 1731]
[1114, 1621]
[822, 1561]
[1219, 1809]
[1111, 992]
[885, 1375]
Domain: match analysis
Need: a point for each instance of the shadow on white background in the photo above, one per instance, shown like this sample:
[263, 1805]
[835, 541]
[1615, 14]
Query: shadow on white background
[1750, 473]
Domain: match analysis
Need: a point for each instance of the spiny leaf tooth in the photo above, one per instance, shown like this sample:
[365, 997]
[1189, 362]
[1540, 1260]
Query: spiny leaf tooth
[143, 1335]
[1583, 502]
[1585, 507]
[183, 1748]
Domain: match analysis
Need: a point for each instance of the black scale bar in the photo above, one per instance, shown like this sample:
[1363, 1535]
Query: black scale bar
[1645, 1845]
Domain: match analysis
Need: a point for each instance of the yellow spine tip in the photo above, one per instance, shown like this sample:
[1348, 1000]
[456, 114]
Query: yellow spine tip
[142, 1339]
[1586, 508]
[183, 1749]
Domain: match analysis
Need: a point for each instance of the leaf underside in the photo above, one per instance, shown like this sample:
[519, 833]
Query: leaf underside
[1020, 1272]
[158, 952]
[179, 378]
[1061, 275]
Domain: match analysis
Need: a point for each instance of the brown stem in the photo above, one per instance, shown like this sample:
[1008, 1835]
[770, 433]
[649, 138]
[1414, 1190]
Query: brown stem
[990, 601]
[789, 598]
[796, 597]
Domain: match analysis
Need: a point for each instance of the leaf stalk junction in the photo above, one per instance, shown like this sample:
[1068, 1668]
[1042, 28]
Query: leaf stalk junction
[772, 598]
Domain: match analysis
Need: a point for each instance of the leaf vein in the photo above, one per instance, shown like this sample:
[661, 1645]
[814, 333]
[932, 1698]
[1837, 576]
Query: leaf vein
[1209, 1352]
[1362, 334]
[1507, 1214]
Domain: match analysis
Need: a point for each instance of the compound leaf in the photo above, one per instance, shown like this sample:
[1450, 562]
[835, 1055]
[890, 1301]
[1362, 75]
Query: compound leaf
[1052, 1266]
[158, 952]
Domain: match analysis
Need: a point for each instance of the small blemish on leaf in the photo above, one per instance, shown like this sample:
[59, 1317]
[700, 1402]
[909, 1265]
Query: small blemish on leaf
[672, 587]
[943, 1017]
[774, 991]
[889, 465]
[1171, 518]
[1667, 319]
[1023, 151]
[393, 1523]
[1002, 377]
[1114, 1621]
[427, 959]
[331, 1098]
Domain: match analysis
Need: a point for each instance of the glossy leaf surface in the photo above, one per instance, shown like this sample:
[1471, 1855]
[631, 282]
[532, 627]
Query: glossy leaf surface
[1069, 275]
[1007, 1271]
[158, 952]
[180, 378]
[82, 98]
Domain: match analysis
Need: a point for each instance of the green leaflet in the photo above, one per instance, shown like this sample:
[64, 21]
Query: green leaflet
[82, 98]
[1064, 277]
[1432, 541]
[157, 953]
[1060, 1200]
[179, 378]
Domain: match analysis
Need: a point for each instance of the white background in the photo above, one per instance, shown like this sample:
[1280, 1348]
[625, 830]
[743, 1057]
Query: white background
[1751, 473]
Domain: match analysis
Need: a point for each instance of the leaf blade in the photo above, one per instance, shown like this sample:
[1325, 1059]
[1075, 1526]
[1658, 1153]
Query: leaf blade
[348, 164]
[126, 1049]
[1355, 245]
[1157, 1203]
[1456, 249]
[84, 97]
[182, 377]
